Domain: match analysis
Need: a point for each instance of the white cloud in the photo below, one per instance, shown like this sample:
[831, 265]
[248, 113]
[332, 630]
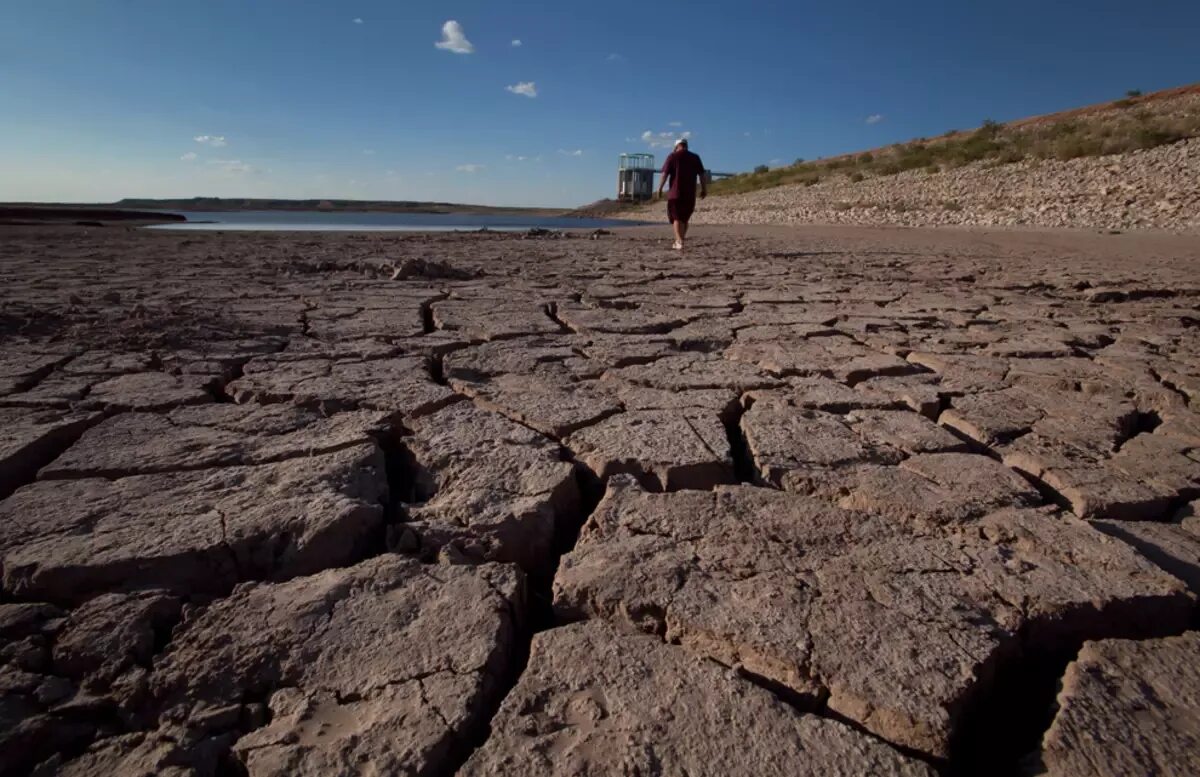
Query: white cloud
[576, 152]
[469, 168]
[516, 43]
[663, 139]
[746, 133]
[614, 58]
[189, 156]
[875, 118]
[216, 141]
[232, 166]
[516, 158]
[453, 39]
[358, 20]
[524, 88]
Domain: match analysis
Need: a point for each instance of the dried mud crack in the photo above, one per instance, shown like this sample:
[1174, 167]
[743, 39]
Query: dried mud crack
[795, 502]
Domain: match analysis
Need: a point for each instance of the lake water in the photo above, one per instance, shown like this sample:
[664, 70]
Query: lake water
[320, 221]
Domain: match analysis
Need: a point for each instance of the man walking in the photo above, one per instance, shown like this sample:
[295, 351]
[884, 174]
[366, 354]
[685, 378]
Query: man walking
[683, 168]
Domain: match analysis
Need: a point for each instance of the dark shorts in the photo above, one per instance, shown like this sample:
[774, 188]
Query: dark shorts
[680, 209]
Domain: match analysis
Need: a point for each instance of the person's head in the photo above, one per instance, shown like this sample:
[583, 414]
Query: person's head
[681, 144]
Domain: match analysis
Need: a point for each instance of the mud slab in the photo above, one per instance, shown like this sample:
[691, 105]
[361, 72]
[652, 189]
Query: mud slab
[820, 500]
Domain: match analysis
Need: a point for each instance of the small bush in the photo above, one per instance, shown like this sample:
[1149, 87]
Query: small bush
[952, 205]
[1134, 93]
[989, 129]
[1073, 148]
[761, 169]
[841, 206]
[1149, 137]
[856, 177]
[1009, 157]
[932, 169]
[799, 161]
[1061, 128]
[1123, 104]
[975, 148]
[866, 159]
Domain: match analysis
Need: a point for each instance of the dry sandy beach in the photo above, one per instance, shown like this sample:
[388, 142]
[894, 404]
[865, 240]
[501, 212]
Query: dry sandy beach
[802, 501]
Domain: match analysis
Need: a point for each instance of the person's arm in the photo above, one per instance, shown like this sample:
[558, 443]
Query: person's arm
[666, 172]
[703, 180]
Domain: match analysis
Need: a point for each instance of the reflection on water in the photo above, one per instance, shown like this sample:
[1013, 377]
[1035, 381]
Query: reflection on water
[319, 221]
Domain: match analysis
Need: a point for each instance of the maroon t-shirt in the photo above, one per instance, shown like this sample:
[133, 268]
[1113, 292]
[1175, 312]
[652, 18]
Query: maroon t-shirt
[682, 169]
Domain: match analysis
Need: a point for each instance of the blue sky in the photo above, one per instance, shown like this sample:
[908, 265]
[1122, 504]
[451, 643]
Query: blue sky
[300, 98]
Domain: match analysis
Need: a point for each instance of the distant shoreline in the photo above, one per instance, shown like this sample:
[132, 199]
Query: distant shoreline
[16, 215]
[224, 204]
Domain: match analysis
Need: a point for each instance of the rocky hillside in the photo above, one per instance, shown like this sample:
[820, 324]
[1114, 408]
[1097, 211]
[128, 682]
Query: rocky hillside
[1131, 164]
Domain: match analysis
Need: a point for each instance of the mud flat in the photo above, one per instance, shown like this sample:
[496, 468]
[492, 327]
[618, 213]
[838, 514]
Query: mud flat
[823, 501]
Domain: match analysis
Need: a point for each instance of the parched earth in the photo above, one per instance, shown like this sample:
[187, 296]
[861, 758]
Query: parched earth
[811, 501]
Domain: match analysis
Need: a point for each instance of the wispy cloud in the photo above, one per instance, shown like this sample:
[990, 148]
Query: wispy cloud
[216, 141]
[189, 156]
[566, 152]
[875, 118]
[663, 139]
[357, 20]
[454, 39]
[675, 124]
[469, 168]
[232, 166]
[524, 88]
[614, 58]
[516, 43]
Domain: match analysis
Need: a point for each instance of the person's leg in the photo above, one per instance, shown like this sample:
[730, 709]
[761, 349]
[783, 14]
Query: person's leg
[683, 214]
[673, 215]
[680, 230]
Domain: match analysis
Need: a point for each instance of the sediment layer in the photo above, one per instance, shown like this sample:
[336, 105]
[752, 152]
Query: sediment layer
[792, 502]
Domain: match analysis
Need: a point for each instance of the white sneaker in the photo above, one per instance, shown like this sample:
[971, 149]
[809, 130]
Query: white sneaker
[677, 246]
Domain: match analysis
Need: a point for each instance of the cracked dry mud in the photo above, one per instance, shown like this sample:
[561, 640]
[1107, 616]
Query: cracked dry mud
[817, 501]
